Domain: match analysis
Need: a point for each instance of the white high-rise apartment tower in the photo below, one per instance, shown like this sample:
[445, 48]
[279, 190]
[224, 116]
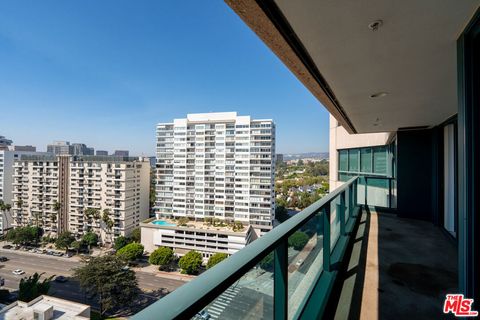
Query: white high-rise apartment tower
[106, 195]
[217, 165]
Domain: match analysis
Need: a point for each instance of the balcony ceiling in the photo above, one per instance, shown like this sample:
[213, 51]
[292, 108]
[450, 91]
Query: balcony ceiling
[412, 56]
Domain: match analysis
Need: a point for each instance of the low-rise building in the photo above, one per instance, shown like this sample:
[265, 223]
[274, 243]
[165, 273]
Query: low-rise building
[46, 308]
[101, 153]
[121, 153]
[195, 235]
[24, 148]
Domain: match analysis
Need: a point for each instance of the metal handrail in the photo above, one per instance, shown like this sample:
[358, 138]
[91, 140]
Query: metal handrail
[190, 298]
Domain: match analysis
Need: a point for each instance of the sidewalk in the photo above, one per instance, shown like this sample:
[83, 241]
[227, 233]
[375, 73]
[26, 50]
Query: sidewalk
[27, 253]
[153, 269]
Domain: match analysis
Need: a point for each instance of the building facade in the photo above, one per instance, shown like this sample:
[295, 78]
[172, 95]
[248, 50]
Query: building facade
[121, 153]
[7, 159]
[217, 165]
[24, 148]
[60, 147]
[196, 236]
[107, 195]
[80, 149]
[101, 153]
[64, 147]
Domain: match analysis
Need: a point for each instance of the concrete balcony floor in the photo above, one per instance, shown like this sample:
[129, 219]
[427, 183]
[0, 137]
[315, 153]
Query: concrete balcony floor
[398, 269]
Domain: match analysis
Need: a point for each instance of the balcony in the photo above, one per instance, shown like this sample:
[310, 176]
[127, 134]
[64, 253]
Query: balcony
[271, 278]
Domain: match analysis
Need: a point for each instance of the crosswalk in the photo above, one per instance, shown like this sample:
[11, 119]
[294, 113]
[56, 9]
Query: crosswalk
[216, 308]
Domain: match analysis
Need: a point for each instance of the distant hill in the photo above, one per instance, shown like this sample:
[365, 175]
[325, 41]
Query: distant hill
[315, 155]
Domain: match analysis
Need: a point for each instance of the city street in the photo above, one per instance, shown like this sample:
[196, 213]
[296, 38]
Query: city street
[153, 286]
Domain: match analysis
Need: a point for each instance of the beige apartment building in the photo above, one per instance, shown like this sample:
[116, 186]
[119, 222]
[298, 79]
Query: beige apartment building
[107, 195]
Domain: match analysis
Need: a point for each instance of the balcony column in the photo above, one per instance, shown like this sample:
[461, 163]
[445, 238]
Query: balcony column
[350, 201]
[326, 237]
[280, 282]
[468, 57]
[341, 213]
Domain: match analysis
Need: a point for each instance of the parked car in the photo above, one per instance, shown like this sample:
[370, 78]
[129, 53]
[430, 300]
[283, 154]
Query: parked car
[2, 282]
[7, 246]
[58, 254]
[18, 272]
[61, 279]
[299, 262]
[3, 259]
[204, 315]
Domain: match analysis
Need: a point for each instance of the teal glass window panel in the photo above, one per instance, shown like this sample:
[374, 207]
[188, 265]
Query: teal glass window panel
[353, 156]
[380, 160]
[343, 160]
[366, 160]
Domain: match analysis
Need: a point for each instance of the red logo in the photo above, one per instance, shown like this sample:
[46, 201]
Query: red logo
[459, 306]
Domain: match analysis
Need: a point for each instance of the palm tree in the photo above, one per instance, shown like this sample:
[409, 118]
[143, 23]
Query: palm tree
[91, 213]
[56, 208]
[108, 222]
[19, 206]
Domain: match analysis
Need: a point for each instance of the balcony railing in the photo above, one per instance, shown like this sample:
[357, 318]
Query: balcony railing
[286, 274]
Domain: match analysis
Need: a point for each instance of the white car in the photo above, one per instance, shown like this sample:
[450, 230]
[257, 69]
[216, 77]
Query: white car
[18, 272]
[299, 262]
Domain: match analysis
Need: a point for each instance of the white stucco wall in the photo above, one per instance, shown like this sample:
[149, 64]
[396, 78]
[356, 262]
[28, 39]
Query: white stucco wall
[341, 139]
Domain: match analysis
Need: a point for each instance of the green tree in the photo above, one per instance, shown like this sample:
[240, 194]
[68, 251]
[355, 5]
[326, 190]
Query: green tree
[216, 258]
[182, 222]
[77, 245]
[136, 235]
[121, 242]
[31, 287]
[298, 240]
[153, 192]
[267, 262]
[281, 214]
[162, 257]
[237, 226]
[106, 278]
[25, 235]
[190, 262]
[131, 251]
[90, 238]
[64, 240]
[91, 214]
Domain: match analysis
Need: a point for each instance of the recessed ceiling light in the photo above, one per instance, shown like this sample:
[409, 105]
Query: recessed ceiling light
[375, 25]
[378, 95]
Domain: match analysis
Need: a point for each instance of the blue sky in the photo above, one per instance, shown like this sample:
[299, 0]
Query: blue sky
[105, 72]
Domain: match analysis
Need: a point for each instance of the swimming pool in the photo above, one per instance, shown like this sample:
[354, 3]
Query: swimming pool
[163, 223]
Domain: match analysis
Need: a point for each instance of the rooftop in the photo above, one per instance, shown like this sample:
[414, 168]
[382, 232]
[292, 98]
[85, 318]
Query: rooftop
[222, 226]
[61, 309]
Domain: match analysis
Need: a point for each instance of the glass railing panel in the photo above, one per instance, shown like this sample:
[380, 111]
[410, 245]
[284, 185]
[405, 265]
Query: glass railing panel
[347, 208]
[378, 192]
[361, 190]
[334, 222]
[305, 262]
[250, 297]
